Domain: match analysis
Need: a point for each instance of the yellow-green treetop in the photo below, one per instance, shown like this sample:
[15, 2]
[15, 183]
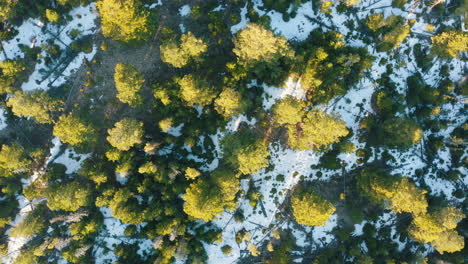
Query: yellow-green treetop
[288, 111]
[256, 43]
[71, 129]
[125, 20]
[449, 44]
[195, 91]
[229, 103]
[310, 208]
[36, 104]
[317, 130]
[180, 54]
[128, 82]
[126, 133]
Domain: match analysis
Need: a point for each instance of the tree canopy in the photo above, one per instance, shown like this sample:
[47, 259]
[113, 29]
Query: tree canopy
[310, 208]
[125, 20]
[37, 104]
[126, 133]
[179, 54]
[73, 130]
[128, 82]
[316, 131]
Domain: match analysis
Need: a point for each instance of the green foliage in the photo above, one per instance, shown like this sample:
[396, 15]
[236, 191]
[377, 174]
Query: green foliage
[13, 157]
[390, 31]
[195, 91]
[34, 222]
[288, 111]
[52, 16]
[126, 133]
[316, 131]
[71, 129]
[399, 132]
[166, 124]
[128, 82]
[36, 104]
[226, 249]
[230, 103]
[449, 44]
[124, 205]
[192, 174]
[11, 71]
[245, 152]
[438, 230]
[206, 199]
[125, 20]
[179, 54]
[309, 208]
[259, 50]
[7, 9]
[255, 43]
[327, 67]
[68, 196]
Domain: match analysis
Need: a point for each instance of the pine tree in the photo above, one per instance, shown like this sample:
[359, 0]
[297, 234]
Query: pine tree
[449, 44]
[128, 82]
[52, 16]
[126, 133]
[399, 132]
[36, 104]
[255, 43]
[180, 54]
[245, 152]
[68, 196]
[229, 103]
[125, 20]
[34, 222]
[316, 131]
[406, 197]
[205, 200]
[195, 91]
[202, 201]
[7, 10]
[71, 129]
[310, 208]
[13, 157]
[288, 111]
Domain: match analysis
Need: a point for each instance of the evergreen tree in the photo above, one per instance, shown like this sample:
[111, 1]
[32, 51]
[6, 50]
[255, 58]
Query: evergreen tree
[245, 152]
[406, 197]
[126, 133]
[310, 208]
[36, 104]
[449, 44]
[71, 129]
[7, 10]
[180, 54]
[125, 20]
[52, 16]
[205, 200]
[399, 132]
[255, 43]
[229, 103]
[316, 131]
[13, 157]
[128, 82]
[288, 111]
[195, 91]
[10, 72]
[34, 222]
[69, 196]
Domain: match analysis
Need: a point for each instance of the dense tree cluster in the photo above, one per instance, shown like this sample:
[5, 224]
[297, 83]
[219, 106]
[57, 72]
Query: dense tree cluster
[191, 112]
